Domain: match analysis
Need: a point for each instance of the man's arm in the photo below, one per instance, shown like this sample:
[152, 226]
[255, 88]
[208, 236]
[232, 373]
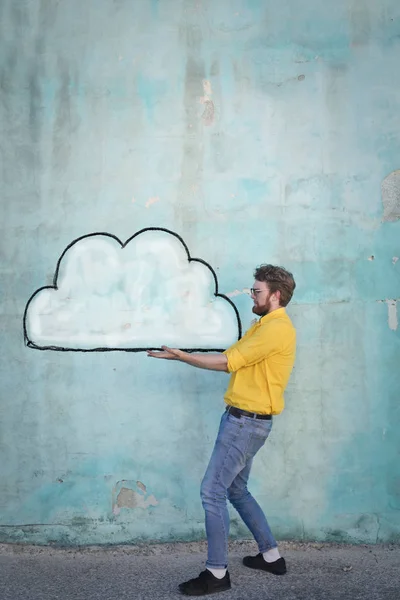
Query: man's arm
[212, 362]
[262, 343]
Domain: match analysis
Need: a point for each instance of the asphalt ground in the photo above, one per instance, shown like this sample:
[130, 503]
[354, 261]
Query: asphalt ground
[153, 572]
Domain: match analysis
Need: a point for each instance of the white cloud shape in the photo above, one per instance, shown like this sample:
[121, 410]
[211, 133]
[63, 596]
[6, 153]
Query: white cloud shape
[133, 296]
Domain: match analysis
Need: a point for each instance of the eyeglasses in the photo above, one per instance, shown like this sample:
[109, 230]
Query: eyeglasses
[254, 291]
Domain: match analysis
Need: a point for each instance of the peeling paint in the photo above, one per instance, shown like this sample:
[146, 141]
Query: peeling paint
[209, 108]
[392, 316]
[152, 200]
[125, 496]
[234, 293]
[209, 112]
[128, 498]
[141, 486]
[207, 88]
[392, 312]
[395, 259]
[391, 197]
[238, 292]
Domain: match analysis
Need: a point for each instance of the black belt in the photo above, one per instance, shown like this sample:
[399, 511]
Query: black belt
[238, 412]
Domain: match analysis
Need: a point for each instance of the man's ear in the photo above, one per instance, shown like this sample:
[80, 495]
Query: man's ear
[277, 295]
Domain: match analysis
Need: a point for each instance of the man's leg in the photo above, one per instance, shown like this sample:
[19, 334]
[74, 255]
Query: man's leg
[227, 460]
[250, 511]
[252, 515]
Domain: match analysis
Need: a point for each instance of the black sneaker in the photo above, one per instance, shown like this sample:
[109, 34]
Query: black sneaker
[278, 567]
[205, 583]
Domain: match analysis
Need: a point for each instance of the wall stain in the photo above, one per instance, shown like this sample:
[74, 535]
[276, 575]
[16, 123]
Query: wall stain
[190, 192]
[360, 23]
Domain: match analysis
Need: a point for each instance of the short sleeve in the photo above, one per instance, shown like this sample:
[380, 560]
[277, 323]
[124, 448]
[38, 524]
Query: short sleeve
[262, 343]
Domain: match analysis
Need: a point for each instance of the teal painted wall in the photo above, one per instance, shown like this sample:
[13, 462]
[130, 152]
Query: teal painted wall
[259, 132]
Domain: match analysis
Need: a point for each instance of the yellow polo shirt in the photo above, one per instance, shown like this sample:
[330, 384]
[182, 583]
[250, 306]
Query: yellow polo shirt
[261, 363]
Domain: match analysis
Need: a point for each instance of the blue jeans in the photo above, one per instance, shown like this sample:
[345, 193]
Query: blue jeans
[237, 443]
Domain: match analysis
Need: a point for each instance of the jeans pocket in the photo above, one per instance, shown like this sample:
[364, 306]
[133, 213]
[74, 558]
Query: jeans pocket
[235, 420]
[257, 439]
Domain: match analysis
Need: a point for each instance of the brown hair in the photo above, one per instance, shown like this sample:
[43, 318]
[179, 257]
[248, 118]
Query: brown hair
[278, 280]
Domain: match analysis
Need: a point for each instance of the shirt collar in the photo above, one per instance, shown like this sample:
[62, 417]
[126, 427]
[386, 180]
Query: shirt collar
[275, 314]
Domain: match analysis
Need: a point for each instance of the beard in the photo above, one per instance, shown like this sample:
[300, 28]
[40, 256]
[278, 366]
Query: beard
[262, 309]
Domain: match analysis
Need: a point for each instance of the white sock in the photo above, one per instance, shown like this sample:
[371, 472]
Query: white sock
[271, 555]
[218, 573]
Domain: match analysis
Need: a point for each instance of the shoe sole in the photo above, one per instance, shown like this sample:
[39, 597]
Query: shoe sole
[266, 570]
[206, 593]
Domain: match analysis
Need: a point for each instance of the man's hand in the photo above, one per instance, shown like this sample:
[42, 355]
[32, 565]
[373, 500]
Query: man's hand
[167, 353]
[212, 362]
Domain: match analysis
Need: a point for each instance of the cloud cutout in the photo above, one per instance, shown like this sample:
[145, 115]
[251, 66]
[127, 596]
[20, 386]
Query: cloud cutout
[135, 296]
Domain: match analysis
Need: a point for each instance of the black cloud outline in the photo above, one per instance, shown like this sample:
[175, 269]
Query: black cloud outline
[31, 344]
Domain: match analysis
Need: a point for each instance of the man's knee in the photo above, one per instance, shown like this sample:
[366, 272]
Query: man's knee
[237, 494]
[212, 491]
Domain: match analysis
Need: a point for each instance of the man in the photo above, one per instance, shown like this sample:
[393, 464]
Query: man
[260, 363]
